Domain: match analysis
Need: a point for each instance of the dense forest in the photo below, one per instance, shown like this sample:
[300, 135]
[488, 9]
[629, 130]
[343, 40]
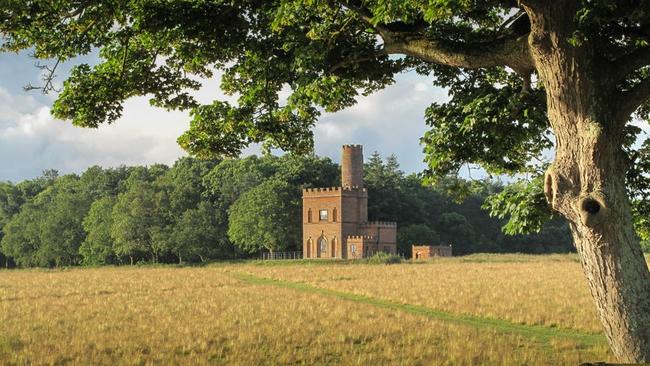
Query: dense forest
[202, 210]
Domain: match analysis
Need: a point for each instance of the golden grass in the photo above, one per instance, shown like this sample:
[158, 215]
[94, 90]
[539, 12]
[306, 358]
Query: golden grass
[537, 290]
[207, 316]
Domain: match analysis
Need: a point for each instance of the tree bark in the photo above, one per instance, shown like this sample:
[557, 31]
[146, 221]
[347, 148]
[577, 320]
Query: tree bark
[586, 182]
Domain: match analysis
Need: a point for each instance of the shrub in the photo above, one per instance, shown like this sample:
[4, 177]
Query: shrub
[384, 258]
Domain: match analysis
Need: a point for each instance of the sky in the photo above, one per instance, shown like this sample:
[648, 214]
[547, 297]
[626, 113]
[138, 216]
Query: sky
[31, 140]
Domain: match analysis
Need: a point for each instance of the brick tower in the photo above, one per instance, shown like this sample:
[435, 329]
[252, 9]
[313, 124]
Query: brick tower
[352, 166]
[335, 219]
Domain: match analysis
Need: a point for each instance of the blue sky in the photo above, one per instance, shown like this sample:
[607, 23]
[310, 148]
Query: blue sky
[31, 140]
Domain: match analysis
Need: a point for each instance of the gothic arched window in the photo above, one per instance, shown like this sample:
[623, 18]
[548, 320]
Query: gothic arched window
[334, 214]
[309, 215]
[322, 242]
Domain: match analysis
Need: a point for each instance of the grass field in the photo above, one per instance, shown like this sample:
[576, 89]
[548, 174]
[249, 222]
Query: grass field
[507, 309]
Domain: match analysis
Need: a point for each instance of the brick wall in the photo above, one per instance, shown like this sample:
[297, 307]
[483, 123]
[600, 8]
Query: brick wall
[314, 229]
[430, 251]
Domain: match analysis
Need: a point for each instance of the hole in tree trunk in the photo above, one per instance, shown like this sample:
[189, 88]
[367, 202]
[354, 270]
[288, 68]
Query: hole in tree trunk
[592, 209]
[591, 206]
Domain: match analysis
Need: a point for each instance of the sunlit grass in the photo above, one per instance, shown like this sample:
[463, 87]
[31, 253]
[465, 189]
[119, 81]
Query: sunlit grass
[537, 290]
[210, 316]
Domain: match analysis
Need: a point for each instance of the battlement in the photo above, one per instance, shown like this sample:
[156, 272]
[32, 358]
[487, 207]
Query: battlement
[355, 188]
[379, 224]
[364, 237]
[322, 189]
[355, 147]
[330, 190]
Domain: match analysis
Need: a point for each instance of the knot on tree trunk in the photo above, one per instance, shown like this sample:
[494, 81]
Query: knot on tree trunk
[592, 208]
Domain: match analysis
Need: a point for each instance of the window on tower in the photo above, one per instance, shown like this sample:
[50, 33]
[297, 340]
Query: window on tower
[323, 215]
[323, 245]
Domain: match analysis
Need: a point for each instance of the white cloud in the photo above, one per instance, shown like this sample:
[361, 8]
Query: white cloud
[390, 122]
[31, 140]
[421, 87]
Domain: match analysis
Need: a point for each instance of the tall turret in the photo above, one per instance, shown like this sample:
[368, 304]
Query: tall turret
[352, 166]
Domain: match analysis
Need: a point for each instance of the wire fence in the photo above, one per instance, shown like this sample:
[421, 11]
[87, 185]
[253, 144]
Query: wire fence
[281, 255]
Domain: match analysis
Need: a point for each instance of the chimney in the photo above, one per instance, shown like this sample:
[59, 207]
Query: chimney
[352, 166]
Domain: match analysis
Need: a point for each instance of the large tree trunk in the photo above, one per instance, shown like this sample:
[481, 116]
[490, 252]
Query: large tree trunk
[586, 182]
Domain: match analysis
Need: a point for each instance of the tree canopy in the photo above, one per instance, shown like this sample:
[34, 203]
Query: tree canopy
[327, 54]
[266, 218]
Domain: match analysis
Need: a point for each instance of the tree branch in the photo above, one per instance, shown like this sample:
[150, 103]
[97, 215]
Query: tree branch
[363, 13]
[400, 38]
[348, 62]
[631, 100]
[624, 65]
[512, 52]
[48, 78]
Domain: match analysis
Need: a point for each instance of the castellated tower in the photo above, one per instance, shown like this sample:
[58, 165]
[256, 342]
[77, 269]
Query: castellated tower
[352, 166]
[335, 219]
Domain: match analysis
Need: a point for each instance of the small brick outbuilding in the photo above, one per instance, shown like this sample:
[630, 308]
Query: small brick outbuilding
[430, 251]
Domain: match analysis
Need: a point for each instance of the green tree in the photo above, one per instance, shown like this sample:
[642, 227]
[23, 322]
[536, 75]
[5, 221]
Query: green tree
[20, 235]
[523, 203]
[97, 248]
[184, 183]
[197, 234]
[306, 171]
[21, 239]
[384, 184]
[62, 227]
[10, 201]
[455, 230]
[161, 241]
[418, 234]
[266, 217]
[421, 203]
[48, 229]
[233, 177]
[134, 217]
[100, 182]
[524, 76]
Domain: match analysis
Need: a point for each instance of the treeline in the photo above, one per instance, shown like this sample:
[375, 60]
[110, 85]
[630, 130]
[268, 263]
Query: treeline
[200, 210]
